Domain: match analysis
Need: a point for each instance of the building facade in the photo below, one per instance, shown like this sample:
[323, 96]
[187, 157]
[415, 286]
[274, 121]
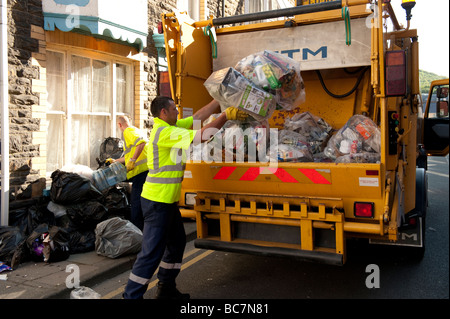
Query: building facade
[74, 66]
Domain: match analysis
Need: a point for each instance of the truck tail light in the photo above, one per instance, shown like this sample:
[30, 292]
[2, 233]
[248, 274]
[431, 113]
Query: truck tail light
[395, 73]
[363, 209]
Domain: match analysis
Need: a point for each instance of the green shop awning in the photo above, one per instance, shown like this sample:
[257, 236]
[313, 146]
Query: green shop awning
[114, 20]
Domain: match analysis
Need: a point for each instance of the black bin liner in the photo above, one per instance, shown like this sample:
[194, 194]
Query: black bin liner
[10, 239]
[86, 215]
[69, 188]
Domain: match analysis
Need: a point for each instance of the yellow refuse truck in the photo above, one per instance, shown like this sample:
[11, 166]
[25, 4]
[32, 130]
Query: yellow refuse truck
[355, 59]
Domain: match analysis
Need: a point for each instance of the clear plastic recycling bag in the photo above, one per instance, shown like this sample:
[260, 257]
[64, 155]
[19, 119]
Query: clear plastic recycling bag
[230, 88]
[240, 141]
[359, 135]
[277, 74]
[313, 129]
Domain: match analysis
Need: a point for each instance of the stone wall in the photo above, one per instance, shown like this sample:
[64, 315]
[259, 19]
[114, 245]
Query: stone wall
[155, 9]
[22, 14]
[232, 7]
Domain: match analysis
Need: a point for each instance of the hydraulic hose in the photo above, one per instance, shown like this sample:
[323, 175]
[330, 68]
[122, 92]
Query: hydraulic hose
[340, 96]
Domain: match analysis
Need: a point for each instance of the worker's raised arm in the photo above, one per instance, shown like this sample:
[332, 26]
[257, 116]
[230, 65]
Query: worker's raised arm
[210, 129]
[207, 110]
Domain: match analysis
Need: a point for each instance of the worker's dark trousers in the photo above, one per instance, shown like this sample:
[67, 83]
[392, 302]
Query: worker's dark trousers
[137, 217]
[163, 243]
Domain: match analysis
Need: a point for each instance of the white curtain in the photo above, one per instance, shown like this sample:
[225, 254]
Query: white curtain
[85, 108]
[255, 6]
[101, 100]
[56, 82]
[98, 131]
[81, 82]
[56, 99]
[88, 131]
[80, 139]
[123, 88]
[55, 142]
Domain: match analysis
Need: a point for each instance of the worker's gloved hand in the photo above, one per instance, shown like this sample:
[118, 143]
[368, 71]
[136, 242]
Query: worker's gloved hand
[109, 160]
[234, 113]
[130, 165]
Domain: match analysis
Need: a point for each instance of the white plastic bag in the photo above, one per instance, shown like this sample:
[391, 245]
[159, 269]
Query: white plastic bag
[56, 209]
[79, 169]
[84, 293]
[117, 237]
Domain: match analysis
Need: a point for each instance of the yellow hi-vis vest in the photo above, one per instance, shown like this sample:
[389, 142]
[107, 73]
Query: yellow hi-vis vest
[133, 137]
[167, 160]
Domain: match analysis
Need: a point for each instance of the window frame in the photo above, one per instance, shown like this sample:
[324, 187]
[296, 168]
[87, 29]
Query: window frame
[192, 7]
[69, 112]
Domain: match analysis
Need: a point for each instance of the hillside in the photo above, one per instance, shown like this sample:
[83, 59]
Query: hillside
[425, 79]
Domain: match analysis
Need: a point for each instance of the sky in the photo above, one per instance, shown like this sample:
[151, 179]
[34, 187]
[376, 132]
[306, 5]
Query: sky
[431, 19]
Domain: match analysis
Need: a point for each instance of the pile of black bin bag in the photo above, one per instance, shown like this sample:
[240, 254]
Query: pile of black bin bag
[36, 234]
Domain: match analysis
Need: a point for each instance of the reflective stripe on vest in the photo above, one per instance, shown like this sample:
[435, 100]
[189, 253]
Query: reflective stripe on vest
[128, 149]
[164, 180]
[140, 165]
[179, 167]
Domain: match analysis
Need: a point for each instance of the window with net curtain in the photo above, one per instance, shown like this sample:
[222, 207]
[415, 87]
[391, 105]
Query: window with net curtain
[254, 6]
[81, 118]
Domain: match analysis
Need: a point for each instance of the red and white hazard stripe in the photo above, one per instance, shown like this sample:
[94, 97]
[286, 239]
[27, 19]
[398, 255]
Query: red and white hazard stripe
[252, 173]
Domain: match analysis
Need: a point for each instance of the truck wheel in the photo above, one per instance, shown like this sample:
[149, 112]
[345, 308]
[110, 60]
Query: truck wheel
[421, 211]
[422, 162]
[422, 159]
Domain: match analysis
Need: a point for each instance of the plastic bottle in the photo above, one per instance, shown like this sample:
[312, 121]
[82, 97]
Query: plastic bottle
[109, 176]
[262, 80]
[270, 76]
[345, 147]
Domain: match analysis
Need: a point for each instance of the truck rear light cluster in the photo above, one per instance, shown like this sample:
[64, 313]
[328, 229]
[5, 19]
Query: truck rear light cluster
[363, 209]
[395, 73]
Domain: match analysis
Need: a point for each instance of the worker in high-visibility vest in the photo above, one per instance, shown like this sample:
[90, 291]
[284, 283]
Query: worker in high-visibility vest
[135, 160]
[164, 238]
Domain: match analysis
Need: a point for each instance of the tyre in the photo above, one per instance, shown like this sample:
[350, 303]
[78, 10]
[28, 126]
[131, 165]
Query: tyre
[420, 213]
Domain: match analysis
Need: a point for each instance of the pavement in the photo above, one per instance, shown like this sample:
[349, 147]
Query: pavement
[40, 280]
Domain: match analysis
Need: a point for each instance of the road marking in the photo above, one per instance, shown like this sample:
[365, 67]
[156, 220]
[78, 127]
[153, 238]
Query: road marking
[152, 284]
[438, 174]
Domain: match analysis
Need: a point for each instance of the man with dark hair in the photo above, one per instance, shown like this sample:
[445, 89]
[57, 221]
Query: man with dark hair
[164, 238]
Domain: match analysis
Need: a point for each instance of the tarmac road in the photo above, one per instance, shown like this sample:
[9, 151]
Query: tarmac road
[219, 275]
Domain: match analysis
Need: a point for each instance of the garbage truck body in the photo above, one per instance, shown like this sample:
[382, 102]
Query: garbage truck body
[350, 65]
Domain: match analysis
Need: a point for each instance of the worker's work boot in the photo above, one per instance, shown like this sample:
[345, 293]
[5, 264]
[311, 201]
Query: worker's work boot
[167, 291]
